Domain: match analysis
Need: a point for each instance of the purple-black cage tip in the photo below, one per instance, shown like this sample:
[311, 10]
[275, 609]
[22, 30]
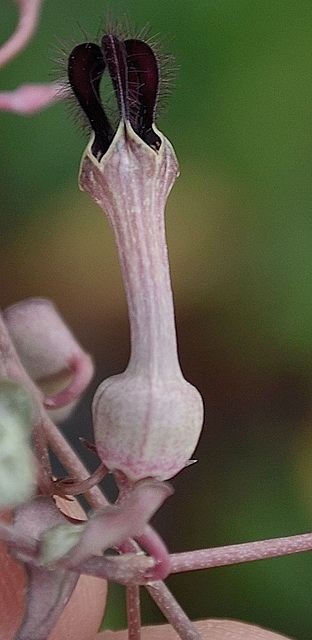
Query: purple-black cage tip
[134, 72]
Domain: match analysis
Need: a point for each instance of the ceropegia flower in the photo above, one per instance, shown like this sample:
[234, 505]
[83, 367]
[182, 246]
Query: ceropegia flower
[49, 352]
[147, 420]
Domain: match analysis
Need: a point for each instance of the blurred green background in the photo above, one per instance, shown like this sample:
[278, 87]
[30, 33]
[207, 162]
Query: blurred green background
[240, 240]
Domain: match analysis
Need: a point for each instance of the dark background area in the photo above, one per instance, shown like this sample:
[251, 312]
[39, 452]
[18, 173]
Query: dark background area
[240, 236]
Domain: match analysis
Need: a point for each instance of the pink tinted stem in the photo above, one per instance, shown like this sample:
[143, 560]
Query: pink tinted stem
[28, 19]
[29, 98]
[133, 612]
[237, 553]
[172, 611]
[44, 478]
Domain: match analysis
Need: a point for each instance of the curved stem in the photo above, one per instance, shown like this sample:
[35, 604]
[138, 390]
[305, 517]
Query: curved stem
[29, 14]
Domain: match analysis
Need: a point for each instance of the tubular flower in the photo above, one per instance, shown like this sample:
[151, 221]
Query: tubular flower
[147, 420]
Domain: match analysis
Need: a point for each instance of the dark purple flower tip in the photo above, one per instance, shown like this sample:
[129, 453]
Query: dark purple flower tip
[133, 68]
[143, 82]
[85, 69]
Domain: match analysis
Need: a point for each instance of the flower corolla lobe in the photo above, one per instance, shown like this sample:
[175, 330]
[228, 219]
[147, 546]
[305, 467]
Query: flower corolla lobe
[133, 69]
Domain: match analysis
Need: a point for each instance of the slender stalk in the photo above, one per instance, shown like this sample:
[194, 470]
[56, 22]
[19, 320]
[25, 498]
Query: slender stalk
[133, 612]
[172, 611]
[29, 15]
[45, 482]
[238, 553]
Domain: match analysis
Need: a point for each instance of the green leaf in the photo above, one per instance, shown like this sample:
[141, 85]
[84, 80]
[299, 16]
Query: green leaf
[16, 464]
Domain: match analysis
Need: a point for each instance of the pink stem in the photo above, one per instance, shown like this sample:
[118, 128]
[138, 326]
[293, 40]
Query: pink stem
[172, 611]
[133, 612]
[237, 553]
[30, 98]
[44, 479]
[28, 19]
[158, 591]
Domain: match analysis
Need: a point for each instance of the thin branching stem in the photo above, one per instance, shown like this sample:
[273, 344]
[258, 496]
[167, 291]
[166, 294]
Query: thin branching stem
[44, 480]
[238, 553]
[172, 611]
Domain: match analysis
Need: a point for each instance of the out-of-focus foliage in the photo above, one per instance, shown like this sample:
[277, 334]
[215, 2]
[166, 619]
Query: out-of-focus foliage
[240, 238]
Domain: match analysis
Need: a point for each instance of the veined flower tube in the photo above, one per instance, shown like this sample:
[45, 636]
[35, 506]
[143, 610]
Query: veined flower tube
[147, 420]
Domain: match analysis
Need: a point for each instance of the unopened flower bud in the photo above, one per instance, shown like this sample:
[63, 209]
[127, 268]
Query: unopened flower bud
[48, 351]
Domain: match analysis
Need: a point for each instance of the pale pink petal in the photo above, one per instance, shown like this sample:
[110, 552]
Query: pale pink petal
[28, 19]
[29, 98]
